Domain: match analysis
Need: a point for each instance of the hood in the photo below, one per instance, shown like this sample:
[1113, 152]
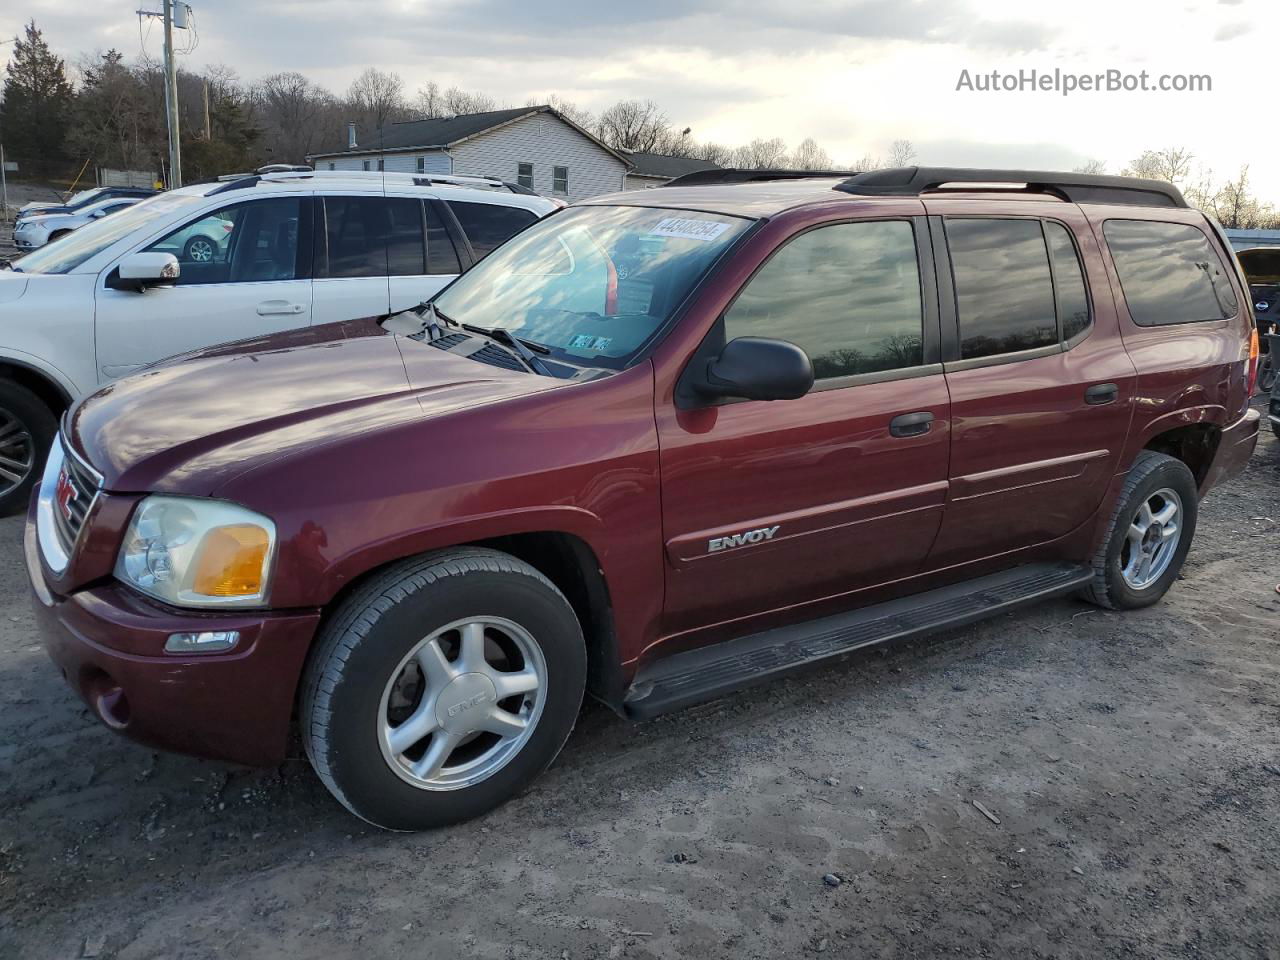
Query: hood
[49, 210]
[197, 421]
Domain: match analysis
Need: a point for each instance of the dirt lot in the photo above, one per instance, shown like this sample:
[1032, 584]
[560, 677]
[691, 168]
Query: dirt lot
[1133, 761]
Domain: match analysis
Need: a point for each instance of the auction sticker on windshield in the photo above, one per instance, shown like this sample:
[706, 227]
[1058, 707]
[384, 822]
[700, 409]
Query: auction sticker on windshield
[688, 228]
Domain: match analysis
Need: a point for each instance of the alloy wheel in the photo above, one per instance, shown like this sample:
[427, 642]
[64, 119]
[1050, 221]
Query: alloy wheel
[462, 703]
[17, 452]
[1152, 539]
[200, 251]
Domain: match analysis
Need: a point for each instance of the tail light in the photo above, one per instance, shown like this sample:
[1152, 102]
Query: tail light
[1252, 379]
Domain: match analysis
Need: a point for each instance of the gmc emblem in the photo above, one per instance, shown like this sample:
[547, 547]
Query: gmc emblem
[759, 535]
[65, 494]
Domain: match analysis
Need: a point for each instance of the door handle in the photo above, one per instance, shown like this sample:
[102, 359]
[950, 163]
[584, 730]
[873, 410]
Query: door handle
[911, 424]
[1101, 393]
[269, 308]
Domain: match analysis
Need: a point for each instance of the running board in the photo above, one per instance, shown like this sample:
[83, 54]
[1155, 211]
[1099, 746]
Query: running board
[708, 672]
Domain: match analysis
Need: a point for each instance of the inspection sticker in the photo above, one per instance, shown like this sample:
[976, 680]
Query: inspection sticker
[688, 228]
[585, 341]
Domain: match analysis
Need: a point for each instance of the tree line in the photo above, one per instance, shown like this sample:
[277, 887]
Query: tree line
[104, 111]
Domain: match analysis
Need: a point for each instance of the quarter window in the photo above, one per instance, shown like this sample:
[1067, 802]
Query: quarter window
[559, 179]
[524, 175]
[847, 294]
[1004, 291]
[489, 224]
[1169, 273]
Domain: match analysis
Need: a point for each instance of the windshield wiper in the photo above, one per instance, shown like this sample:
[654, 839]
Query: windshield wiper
[515, 345]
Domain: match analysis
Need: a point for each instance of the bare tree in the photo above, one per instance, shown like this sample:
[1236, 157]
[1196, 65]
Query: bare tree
[458, 102]
[810, 156]
[1172, 164]
[761, 154]
[428, 104]
[1091, 166]
[377, 98]
[633, 125]
[901, 153]
[297, 116]
[1237, 208]
[567, 109]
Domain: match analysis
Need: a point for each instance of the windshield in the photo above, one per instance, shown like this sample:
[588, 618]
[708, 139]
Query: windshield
[593, 283]
[68, 252]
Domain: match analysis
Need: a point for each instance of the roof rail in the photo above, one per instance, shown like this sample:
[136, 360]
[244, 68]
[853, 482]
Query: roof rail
[278, 173]
[1074, 187]
[701, 178]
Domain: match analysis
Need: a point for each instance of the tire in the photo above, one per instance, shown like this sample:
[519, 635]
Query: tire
[1156, 480]
[27, 429]
[55, 235]
[370, 640]
[199, 249]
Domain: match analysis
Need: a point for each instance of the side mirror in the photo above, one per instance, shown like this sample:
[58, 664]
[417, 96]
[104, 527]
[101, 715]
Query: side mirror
[758, 368]
[141, 270]
[98, 214]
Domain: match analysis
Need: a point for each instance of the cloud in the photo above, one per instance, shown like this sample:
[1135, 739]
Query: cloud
[957, 152]
[1229, 31]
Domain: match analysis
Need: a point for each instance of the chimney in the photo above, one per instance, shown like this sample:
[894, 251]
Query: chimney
[351, 136]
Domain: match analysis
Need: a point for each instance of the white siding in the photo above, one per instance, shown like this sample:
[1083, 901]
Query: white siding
[437, 162]
[636, 181]
[545, 142]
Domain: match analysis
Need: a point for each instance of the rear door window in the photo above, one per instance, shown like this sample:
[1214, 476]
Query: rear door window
[1169, 273]
[373, 237]
[488, 225]
[1004, 290]
[1068, 280]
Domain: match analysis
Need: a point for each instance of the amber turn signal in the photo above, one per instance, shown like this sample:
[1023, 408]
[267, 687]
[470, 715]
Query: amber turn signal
[231, 562]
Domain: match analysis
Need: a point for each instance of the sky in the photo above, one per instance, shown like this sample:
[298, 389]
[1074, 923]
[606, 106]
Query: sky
[854, 74]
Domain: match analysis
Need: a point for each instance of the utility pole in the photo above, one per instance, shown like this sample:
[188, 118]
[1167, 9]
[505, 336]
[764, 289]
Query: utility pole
[171, 97]
[208, 127]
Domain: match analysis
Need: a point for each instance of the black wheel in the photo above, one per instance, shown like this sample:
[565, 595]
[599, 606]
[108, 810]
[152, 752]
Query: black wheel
[441, 688]
[199, 249]
[27, 428]
[1150, 533]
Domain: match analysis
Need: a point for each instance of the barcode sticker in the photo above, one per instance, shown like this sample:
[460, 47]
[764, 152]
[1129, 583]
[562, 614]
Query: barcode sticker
[688, 228]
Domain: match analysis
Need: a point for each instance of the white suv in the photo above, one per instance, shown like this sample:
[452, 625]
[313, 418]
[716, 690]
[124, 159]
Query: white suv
[223, 261]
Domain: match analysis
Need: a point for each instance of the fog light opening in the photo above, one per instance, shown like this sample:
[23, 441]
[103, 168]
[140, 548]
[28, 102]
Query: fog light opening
[206, 641]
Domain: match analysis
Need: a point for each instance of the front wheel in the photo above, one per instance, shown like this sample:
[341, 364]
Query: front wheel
[442, 688]
[199, 250]
[1150, 534]
[27, 428]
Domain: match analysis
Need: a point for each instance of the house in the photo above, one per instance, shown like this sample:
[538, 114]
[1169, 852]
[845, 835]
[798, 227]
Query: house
[535, 147]
[655, 169]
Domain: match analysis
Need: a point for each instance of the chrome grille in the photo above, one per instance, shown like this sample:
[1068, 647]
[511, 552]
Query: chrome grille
[73, 497]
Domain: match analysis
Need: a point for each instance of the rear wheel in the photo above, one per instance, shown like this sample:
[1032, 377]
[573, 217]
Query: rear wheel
[27, 428]
[442, 688]
[1150, 534]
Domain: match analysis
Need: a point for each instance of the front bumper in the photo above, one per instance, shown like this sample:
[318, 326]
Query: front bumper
[1234, 450]
[109, 644]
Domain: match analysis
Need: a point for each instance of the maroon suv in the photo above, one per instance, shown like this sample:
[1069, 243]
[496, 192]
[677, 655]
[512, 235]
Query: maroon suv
[656, 447]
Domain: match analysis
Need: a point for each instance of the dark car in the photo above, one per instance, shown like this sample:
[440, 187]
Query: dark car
[656, 447]
[1261, 267]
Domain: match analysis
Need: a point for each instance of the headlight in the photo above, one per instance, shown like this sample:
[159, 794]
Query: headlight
[198, 553]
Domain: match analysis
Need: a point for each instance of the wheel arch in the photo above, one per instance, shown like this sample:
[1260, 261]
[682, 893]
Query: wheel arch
[1194, 444]
[46, 387]
[569, 562]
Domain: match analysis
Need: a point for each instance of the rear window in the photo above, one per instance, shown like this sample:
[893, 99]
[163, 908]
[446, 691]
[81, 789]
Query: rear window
[488, 225]
[1169, 273]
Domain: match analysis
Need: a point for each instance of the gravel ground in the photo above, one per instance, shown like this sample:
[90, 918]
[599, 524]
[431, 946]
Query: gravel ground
[1131, 760]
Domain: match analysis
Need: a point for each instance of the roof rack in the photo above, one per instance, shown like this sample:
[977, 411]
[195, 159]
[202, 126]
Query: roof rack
[283, 173]
[1074, 187]
[700, 178]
